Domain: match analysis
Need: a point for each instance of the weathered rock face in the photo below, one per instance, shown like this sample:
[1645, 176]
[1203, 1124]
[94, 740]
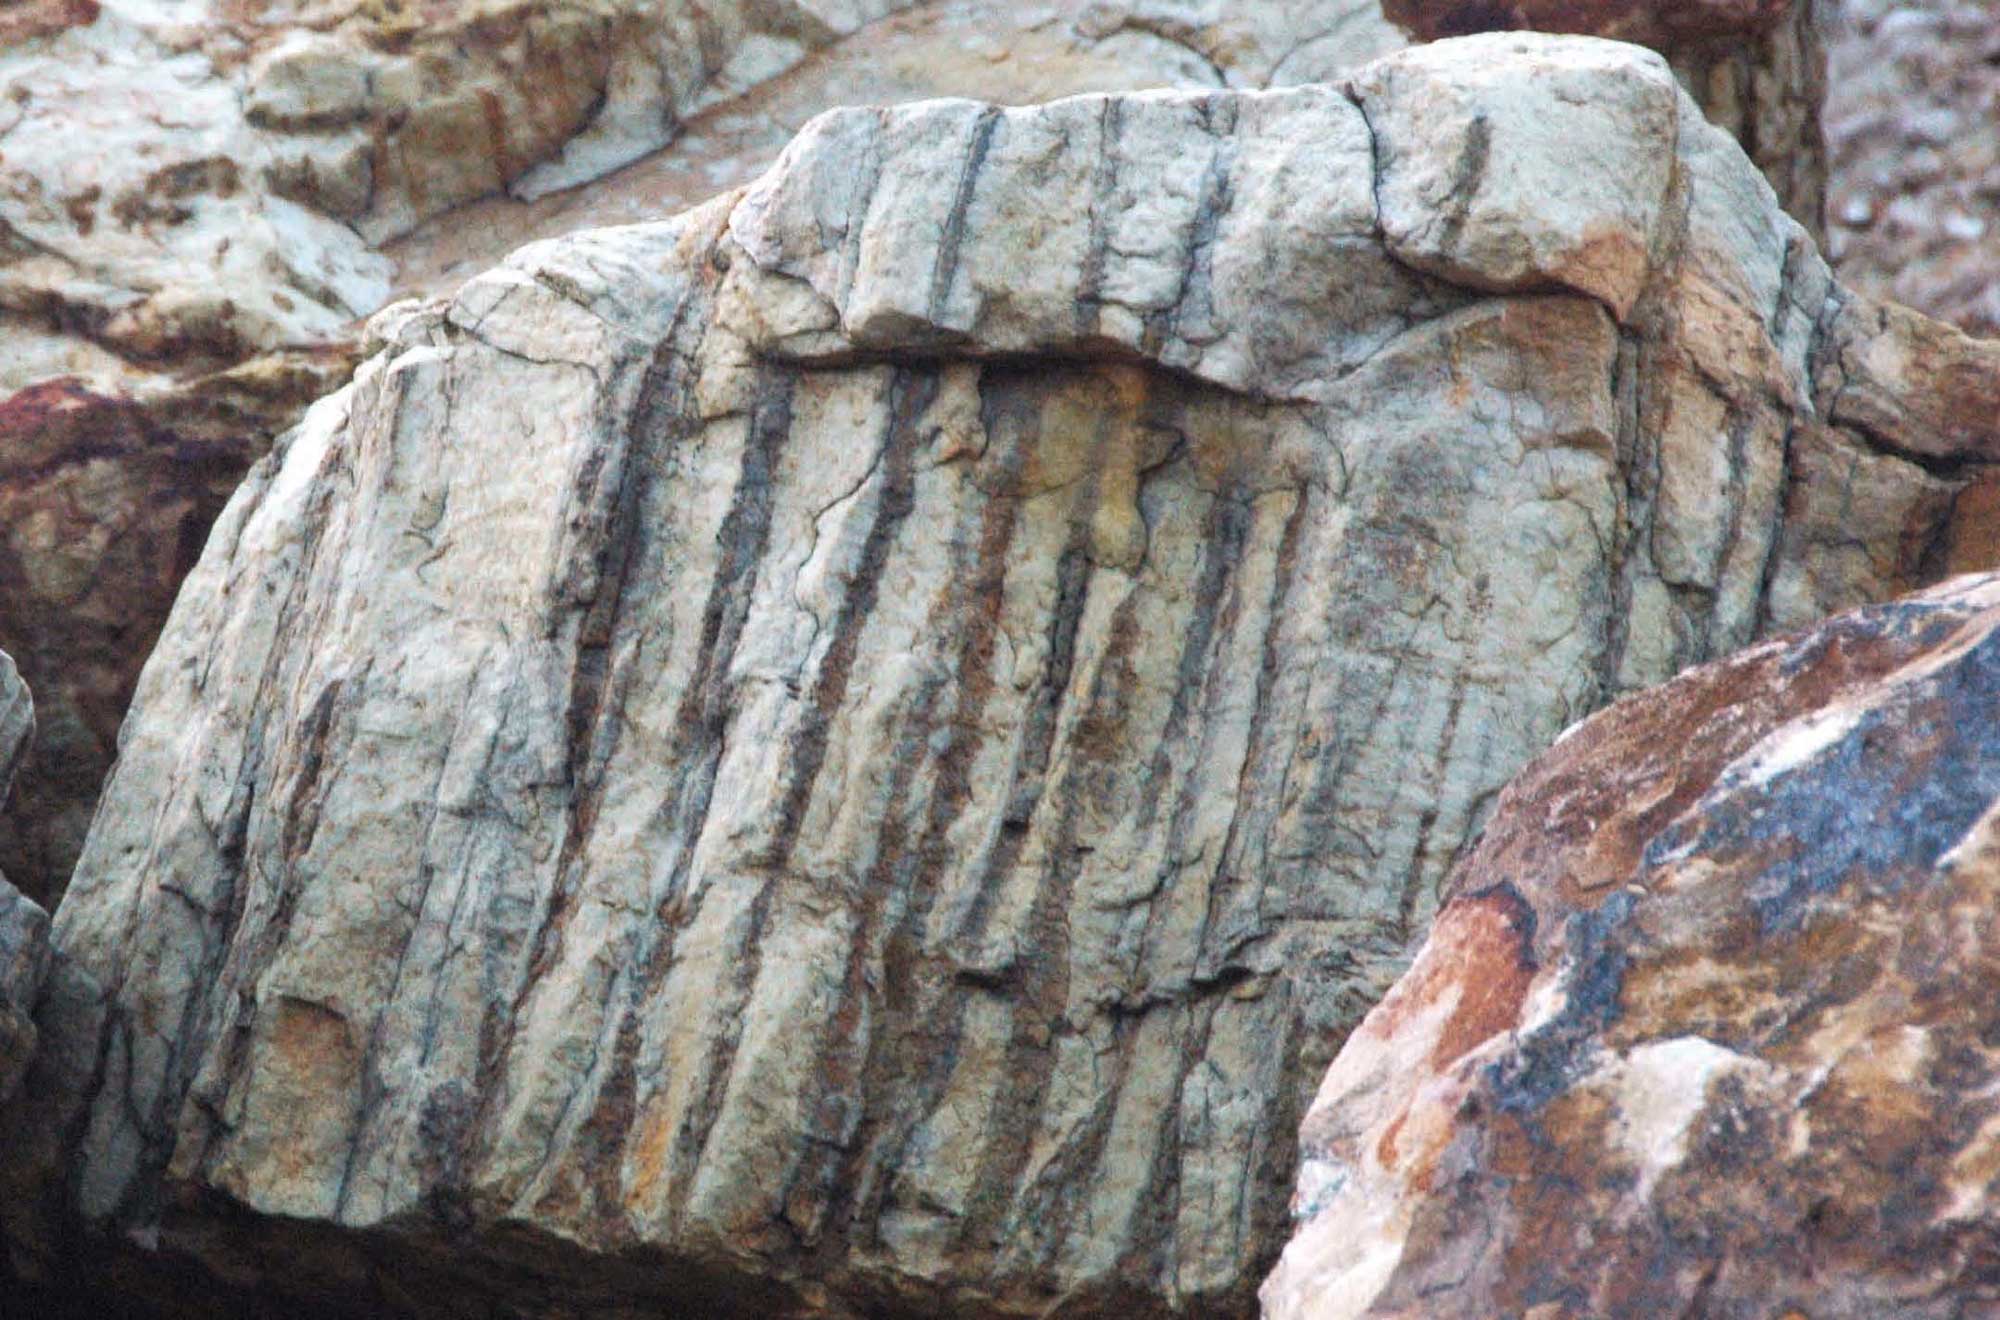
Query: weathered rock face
[1915, 202]
[107, 499]
[242, 167]
[172, 299]
[260, 177]
[24, 927]
[1708, 1020]
[856, 750]
[1757, 67]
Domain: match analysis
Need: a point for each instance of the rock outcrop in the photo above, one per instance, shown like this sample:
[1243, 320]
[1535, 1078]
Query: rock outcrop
[259, 178]
[856, 750]
[1706, 1026]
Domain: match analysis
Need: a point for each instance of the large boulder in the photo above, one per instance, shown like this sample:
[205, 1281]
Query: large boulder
[858, 749]
[260, 177]
[1707, 1025]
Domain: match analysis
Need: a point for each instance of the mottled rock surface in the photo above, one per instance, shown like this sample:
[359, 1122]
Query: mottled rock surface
[1912, 104]
[857, 750]
[1707, 1025]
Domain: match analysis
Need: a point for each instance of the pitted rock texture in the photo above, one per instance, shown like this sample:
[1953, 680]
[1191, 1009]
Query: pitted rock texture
[1914, 211]
[856, 751]
[1707, 1024]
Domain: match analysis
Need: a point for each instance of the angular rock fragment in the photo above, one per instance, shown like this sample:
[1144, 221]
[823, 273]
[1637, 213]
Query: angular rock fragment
[1707, 1020]
[859, 748]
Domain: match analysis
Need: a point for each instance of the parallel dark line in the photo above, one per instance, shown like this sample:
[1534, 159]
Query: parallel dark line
[946, 269]
[1088, 310]
[701, 728]
[912, 1053]
[700, 721]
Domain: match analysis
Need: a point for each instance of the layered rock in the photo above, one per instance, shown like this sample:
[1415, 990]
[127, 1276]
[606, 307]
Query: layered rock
[1707, 1022]
[261, 177]
[856, 750]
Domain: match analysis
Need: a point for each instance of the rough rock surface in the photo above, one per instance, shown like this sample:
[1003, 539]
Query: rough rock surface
[106, 499]
[1707, 1025]
[177, 294]
[24, 927]
[261, 176]
[1757, 67]
[1914, 211]
[857, 749]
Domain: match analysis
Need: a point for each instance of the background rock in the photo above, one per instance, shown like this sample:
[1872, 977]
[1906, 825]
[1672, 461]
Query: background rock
[1757, 67]
[1705, 1022]
[1915, 202]
[106, 500]
[857, 749]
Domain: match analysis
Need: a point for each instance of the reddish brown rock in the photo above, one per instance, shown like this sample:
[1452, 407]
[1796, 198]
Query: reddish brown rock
[106, 500]
[1707, 1024]
[24, 20]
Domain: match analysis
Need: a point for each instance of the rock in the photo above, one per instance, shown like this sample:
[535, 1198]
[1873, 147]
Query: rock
[24, 927]
[176, 295]
[855, 751]
[261, 178]
[1757, 67]
[1705, 1021]
[1915, 199]
[24, 961]
[107, 498]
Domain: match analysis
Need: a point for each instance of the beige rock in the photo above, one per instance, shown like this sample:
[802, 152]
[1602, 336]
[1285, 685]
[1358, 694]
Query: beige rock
[260, 177]
[1704, 1023]
[861, 746]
